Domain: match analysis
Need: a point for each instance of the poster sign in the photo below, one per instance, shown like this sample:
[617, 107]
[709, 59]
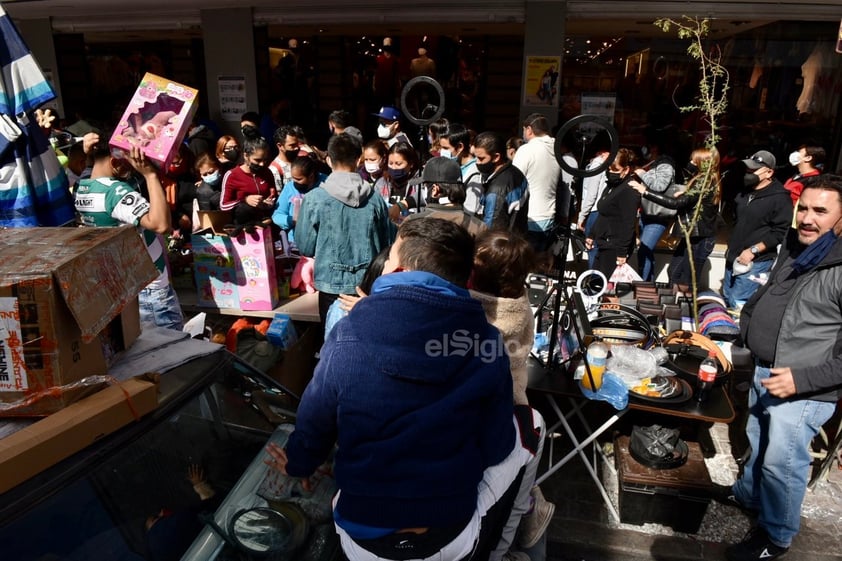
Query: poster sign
[601, 104]
[232, 97]
[541, 86]
[12, 368]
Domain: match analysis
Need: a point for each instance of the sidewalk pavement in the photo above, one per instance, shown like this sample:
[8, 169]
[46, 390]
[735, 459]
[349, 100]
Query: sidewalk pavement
[582, 528]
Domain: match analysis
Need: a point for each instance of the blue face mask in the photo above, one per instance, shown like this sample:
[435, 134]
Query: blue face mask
[398, 174]
[211, 178]
[814, 253]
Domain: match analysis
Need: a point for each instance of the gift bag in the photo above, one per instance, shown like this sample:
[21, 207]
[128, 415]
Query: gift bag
[624, 273]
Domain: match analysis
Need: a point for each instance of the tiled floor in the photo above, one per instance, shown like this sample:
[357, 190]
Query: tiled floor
[582, 529]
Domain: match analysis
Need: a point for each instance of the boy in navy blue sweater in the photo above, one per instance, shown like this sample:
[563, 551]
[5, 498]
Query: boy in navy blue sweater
[414, 385]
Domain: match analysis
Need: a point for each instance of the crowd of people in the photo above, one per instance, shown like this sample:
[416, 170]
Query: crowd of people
[437, 448]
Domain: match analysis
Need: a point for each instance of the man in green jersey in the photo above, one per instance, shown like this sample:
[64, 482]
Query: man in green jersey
[109, 198]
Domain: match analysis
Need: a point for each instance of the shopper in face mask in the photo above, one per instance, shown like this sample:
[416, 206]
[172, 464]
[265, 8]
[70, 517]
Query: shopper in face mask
[614, 229]
[389, 127]
[763, 216]
[208, 190]
[401, 167]
[227, 152]
[178, 180]
[304, 177]
[249, 189]
[505, 200]
[807, 160]
[289, 145]
[375, 155]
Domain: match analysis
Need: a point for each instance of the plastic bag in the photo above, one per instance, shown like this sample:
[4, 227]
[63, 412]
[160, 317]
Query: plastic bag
[631, 364]
[613, 390]
[624, 273]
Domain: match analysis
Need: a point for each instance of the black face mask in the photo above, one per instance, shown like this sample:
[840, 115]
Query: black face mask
[231, 154]
[614, 178]
[692, 169]
[302, 187]
[751, 180]
[250, 131]
[255, 168]
[290, 155]
[486, 169]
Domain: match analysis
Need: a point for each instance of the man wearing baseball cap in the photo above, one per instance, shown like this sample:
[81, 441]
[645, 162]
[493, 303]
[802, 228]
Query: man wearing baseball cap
[389, 129]
[442, 179]
[764, 214]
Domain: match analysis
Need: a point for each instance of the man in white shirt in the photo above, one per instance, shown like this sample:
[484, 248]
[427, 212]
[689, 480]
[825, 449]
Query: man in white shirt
[536, 159]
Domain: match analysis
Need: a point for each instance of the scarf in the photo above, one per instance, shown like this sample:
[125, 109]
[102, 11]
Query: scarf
[814, 253]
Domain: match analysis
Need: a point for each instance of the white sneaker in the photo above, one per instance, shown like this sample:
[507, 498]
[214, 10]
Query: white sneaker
[535, 523]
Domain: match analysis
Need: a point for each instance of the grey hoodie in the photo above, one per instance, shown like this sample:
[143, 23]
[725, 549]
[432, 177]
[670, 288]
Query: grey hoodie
[348, 188]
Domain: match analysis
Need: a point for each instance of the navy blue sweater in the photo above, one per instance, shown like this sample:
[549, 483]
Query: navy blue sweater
[414, 385]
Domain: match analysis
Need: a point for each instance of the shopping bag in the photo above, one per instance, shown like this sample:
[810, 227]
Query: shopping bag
[624, 273]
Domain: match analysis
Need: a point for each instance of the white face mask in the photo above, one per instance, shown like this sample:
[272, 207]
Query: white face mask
[384, 132]
[446, 153]
[795, 158]
[372, 167]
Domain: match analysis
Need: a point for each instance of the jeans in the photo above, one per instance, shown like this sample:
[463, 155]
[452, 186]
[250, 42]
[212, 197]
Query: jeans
[737, 289]
[589, 222]
[159, 307]
[651, 231]
[775, 477]
[679, 267]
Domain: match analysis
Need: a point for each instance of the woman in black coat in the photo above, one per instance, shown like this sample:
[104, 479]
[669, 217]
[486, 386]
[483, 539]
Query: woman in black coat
[613, 233]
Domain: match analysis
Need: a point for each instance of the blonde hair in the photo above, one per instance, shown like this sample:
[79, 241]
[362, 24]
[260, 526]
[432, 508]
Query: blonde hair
[710, 157]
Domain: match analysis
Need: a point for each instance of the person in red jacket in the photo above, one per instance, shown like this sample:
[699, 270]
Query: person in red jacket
[249, 189]
[807, 159]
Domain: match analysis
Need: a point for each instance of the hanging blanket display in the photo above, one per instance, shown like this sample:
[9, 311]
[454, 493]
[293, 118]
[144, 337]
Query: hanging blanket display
[33, 186]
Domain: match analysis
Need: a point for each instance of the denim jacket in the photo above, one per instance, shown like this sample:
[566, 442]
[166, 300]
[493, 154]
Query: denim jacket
[343, 227]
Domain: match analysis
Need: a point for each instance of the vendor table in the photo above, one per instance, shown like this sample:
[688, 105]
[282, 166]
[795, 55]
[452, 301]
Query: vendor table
[300, 308]
[557, 387]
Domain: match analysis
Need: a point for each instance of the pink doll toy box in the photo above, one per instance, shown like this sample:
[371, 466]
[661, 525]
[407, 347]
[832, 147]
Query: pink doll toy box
[156, 119]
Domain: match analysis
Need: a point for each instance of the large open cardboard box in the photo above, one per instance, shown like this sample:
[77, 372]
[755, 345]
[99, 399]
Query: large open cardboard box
[33, 449]
[68, 306]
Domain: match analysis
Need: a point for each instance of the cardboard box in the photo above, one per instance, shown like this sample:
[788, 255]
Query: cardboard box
[156, 118]
[35, 448]
[214, 271]
[60, 289]
[214, 220]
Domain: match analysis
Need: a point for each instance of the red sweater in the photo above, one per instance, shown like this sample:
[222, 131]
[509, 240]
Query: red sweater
[237, 185]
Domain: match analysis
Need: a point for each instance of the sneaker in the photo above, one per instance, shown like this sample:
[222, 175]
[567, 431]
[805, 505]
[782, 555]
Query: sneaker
[535, 523]
[725, 495]
[756, 546]
[516, 556]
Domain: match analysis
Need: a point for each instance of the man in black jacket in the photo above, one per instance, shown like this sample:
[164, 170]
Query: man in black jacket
[764, 214]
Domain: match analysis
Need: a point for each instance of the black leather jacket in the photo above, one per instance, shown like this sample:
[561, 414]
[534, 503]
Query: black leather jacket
[685, 204]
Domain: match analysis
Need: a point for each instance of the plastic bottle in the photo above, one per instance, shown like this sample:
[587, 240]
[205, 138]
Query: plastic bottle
[706, 376]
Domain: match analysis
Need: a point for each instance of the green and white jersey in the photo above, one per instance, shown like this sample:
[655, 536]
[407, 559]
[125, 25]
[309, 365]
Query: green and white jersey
[108, 202]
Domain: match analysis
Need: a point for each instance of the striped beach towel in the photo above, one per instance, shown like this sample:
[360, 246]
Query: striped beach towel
[33, 185]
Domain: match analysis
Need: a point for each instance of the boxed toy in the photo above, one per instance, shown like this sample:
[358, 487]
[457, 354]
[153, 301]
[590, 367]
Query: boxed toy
[255, 262]
[157, 118]
[215, 271]
[281, 332]
[68, 304]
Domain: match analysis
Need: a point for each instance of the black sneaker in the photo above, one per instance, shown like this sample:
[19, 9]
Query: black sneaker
[725, 495]
[756, 546]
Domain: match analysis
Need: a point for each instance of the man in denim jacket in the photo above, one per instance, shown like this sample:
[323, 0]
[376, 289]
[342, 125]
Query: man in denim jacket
[341, 224]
